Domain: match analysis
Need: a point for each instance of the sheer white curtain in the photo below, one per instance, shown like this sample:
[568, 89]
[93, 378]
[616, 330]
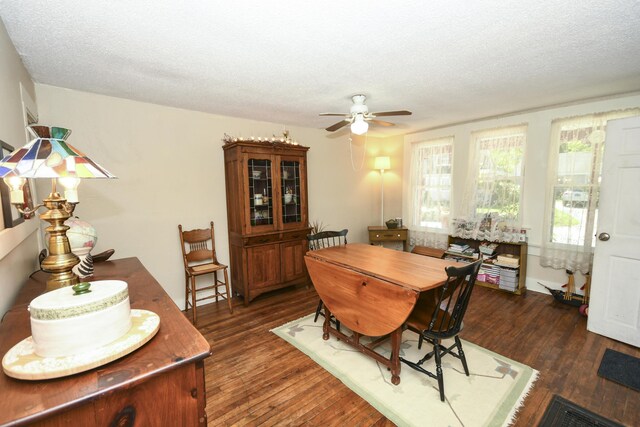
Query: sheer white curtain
[431, 193]
[573, 186]
[493, 193]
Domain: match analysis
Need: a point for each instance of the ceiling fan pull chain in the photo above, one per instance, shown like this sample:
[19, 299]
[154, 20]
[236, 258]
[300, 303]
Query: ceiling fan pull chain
[364, 150]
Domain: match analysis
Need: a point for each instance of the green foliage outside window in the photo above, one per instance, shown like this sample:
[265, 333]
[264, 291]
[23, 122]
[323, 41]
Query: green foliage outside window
[498, 189]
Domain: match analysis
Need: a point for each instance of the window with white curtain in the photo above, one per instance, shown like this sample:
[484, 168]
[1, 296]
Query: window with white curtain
[573, 186]
[493, 193]
[431, 192]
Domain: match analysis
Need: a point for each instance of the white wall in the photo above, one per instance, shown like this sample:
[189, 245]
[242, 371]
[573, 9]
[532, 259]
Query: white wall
[537, 151]
[170, 169]
[19, 245]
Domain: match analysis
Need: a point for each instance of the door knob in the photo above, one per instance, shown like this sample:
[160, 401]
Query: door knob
[604, 236]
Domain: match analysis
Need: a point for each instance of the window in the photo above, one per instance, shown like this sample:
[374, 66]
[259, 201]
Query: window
[499, 166]
[493, 194]
[573, 185]
[431, 171]
[580, 147]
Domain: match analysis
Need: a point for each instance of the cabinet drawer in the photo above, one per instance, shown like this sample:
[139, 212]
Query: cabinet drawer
[261, 239]
[387, 235]
[295, 235]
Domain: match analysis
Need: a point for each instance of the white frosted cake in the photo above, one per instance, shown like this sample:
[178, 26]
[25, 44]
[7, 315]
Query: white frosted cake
[65, 322]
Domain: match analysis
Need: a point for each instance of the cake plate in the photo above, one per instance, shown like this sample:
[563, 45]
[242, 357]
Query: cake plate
[23, 363]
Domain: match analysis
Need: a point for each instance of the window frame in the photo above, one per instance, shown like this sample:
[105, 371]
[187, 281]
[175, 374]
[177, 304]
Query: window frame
[592, 186]
[567, 255]
[416, 188]
[479, 137]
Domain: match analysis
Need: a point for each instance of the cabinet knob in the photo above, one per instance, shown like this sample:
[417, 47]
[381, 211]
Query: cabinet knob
[377, 235]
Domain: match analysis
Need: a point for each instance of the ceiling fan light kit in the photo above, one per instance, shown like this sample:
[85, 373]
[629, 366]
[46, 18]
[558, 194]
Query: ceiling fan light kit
[359, 117]
[359, 126]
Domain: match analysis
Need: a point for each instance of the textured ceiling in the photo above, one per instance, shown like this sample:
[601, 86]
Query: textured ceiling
[287, 61]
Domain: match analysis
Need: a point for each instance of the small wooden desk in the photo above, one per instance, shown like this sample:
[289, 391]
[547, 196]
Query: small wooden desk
[372, 291]
[381, 234]
[161, 382]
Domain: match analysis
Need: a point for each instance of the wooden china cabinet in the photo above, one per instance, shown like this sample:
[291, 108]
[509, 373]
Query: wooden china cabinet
[267, 215]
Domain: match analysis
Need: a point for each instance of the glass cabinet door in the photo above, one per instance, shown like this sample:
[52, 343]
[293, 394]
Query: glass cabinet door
[290, 191]
[260, 192]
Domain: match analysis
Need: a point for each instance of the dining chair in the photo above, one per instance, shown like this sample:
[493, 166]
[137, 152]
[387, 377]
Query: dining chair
[326, 239]
[438, 315]
[199, 257]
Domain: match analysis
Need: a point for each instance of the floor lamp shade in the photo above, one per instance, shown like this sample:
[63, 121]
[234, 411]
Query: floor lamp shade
[382, 163]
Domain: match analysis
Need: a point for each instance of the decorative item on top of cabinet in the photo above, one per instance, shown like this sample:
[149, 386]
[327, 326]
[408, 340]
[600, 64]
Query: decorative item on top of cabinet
[266, 183]
[505, 265]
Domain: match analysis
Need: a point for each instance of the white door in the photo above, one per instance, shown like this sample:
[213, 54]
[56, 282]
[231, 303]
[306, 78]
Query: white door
[614, 308]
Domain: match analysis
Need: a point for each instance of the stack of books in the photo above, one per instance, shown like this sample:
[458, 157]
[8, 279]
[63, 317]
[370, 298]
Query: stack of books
[487, 248]
[492, 274]
[508, 260]
[508, 279]
[462, 249]
[458, 248]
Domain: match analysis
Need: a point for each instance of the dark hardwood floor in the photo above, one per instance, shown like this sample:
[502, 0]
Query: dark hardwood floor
[255, 378]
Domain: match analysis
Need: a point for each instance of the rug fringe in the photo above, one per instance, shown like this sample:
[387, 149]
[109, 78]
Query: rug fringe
[513, 415]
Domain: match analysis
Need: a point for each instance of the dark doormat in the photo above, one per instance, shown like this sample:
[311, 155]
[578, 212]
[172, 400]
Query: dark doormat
[621, 368]
[561, 412]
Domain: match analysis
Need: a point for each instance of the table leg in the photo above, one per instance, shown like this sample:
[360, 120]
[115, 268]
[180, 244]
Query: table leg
[327, 323]
[396, 339]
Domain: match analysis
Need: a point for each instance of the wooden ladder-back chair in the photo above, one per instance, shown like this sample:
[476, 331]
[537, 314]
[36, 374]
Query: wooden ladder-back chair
[326, 239]
[438, 315]
[199, 256]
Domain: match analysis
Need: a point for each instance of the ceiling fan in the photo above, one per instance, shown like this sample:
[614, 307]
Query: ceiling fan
[359, 116]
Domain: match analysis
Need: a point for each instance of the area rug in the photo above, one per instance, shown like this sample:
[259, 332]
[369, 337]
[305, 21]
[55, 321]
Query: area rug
[621, 368]
[490, 396]
[562, 412]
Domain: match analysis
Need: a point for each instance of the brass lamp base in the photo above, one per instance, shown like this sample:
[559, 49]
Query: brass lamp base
[60, 261]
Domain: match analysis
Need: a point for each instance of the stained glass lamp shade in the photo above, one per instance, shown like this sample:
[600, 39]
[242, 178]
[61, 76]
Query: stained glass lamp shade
[48, 155]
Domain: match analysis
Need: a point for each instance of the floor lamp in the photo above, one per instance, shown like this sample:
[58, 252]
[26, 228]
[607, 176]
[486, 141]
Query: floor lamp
[382, 163]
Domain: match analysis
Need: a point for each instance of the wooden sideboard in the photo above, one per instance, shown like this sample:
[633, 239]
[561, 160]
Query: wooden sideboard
[160, 383]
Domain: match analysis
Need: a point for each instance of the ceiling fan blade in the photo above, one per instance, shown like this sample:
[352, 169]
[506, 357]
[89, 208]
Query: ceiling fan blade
[392, 113]
[338, 125]
[335, 114]
[380, 122]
